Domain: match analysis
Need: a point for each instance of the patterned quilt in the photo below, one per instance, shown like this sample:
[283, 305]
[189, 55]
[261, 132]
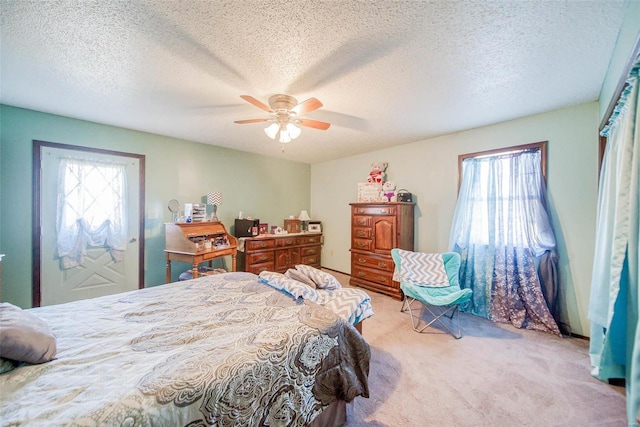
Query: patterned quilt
[218, 350]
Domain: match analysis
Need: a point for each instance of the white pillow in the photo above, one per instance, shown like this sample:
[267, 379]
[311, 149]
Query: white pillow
[25, 337]
[320, 278]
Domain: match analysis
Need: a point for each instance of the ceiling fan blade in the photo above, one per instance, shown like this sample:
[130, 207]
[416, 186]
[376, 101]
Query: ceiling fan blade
[307, 106]
[244, 122]
[314, 124]
[252, 100]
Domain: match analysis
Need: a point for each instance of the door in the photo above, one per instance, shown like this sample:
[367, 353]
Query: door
[100, 272]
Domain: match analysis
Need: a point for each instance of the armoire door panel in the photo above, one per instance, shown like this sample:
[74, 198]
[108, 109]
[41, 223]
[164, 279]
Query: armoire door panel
[384, 231]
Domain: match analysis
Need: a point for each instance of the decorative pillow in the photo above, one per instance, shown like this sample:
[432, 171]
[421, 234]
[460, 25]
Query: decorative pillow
[290, 286]
[296, 275]
[320, 278]
[25, 337]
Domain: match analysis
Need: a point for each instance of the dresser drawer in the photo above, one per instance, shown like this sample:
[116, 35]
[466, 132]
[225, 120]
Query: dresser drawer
[362, 232]
[361, 260]
[361, 221]
[259, 268]
[362, 244]
[381, 277]
[311, 250]
[374, 210]
[260, 257]
[310, 239]
[256, 245]
[287, 241]
[311, 260]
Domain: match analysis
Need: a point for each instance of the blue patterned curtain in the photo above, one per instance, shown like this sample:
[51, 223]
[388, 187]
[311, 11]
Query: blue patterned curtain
[613, 306]
[501, 230]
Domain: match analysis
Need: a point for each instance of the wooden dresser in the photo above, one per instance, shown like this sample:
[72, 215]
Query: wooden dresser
[187, 242]
[376, 228]
[278, 253]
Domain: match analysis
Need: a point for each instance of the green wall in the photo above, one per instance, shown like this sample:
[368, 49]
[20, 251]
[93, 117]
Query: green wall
[262, 187]
[429, 170]
[627, 38]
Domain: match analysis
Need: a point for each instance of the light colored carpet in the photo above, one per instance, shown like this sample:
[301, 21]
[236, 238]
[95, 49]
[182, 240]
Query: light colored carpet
[495, 375]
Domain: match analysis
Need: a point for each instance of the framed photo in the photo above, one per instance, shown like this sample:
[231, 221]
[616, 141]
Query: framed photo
[315, 228]
[264, 228]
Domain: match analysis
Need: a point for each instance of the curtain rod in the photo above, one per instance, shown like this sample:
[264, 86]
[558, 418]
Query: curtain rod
[621, 84]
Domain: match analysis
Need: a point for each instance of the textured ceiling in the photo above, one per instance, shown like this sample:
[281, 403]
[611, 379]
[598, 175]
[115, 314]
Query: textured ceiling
[388, 72]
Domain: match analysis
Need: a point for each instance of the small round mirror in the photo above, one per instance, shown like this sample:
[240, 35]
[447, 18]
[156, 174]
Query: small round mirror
[174, 205]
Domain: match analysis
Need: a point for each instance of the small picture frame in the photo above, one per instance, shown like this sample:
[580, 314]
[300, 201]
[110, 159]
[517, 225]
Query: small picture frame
[264, 228]
[315, 228]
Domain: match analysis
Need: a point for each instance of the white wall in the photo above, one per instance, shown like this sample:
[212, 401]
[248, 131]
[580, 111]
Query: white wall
[429, 169]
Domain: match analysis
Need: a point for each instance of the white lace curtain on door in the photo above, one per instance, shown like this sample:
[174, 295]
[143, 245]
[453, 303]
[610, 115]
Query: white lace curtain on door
[91, 209]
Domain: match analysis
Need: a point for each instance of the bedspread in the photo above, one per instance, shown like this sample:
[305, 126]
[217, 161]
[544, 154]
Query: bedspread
[218, 350]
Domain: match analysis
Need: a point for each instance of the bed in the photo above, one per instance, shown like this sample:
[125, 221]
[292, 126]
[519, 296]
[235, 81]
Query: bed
[222, 350]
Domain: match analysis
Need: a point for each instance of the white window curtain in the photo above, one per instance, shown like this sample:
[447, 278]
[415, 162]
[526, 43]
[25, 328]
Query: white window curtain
[613, 306]
[91, 209]
[501, 230]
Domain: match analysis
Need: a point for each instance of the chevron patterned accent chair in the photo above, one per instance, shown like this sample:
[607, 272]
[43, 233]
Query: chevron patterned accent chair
[435, 287]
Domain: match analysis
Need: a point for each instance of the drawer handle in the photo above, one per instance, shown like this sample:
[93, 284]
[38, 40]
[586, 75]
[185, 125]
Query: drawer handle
[312, 260]
[384, 211]
[361, 273]
[362, 260]
[362, 222]
[361, 234]
[382, 279]
[288, 242]
[382, 264]
[264, 258]
[362, 245]
[263, 245]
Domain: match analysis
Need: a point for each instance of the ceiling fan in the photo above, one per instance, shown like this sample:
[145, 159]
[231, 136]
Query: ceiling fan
[285, 116]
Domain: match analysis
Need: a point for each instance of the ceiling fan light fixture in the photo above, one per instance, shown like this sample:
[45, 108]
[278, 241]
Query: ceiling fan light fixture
[272, 130]
[293, 130]
[284, 135]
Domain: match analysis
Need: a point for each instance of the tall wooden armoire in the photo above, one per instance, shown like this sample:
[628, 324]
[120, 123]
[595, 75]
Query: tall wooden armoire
[376, 228]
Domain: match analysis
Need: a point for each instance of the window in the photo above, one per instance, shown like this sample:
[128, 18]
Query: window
[91, 208]
[505, 187]
[503, 232]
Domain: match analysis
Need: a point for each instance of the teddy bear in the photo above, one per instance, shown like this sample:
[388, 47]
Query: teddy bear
[389, 191]
[377, 174]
